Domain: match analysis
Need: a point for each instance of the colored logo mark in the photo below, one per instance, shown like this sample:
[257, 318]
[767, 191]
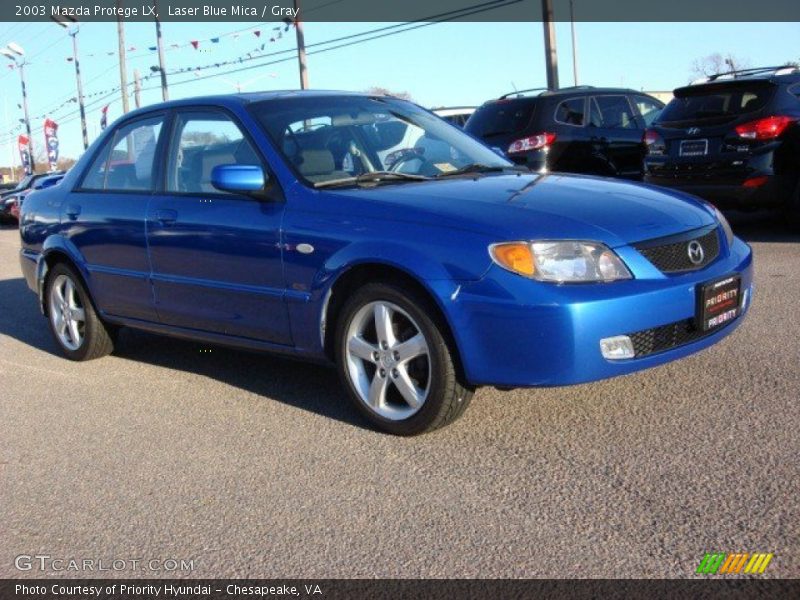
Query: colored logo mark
[743, 562]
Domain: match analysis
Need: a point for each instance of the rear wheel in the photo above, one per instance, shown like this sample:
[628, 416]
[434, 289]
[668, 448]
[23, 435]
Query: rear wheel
[396, 363]
[74, 323]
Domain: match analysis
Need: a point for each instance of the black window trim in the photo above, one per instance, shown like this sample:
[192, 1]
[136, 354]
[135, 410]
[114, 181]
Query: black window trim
[273, 188]
[111, 139]
[585, 112]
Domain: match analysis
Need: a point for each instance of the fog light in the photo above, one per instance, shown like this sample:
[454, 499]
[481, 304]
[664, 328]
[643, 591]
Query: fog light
[617, 347]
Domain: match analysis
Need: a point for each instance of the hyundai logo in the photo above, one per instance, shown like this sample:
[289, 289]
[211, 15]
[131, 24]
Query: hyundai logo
[693, 130]
[695, 252]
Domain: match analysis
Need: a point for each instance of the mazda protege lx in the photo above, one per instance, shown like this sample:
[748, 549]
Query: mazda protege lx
[271, 221]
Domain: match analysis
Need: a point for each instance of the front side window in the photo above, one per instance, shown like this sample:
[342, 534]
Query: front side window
[330, 140]
[126, 162]
[614, 112]
[570, 112]
[200, 142]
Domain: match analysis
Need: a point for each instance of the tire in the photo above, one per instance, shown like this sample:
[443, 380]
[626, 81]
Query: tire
[66, 301]
[411, 384]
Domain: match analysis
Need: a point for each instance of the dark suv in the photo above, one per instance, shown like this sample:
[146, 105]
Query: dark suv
[580, 129]
[732, 139]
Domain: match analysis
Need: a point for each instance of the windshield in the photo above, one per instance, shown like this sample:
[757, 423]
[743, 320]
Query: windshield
[333, 139]
[500, 118]
[716, 103]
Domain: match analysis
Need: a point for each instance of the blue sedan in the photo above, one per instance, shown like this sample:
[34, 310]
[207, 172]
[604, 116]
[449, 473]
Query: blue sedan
[366, 232]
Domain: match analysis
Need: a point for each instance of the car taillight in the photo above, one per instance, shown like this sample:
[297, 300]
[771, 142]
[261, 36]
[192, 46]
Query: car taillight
[654, 142]
[764, 129]
[532, 142]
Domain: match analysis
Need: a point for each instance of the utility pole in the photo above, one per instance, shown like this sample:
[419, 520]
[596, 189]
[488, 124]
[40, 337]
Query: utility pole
[301, 47]
[160, 45]
[574, 43]
[137, 88]
[74, 35]
[550, 52]
[12, 51]
[123, 69]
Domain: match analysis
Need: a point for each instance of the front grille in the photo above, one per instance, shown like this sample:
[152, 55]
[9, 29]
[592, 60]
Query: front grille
[665, 337]
[673, 257]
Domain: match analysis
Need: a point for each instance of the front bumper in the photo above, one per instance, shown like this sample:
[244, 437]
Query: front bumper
[515, 332]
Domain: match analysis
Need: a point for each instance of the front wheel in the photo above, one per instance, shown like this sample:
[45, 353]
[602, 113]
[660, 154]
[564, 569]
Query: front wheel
[77, 329]
[396, 363]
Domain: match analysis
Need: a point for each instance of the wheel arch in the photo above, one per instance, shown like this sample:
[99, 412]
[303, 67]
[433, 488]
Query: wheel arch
[58, 250]
[358, 275]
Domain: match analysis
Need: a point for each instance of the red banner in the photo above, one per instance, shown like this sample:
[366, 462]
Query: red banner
[24, 153]
[51, 142]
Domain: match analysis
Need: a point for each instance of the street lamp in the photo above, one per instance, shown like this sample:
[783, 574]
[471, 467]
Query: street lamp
[72, 29]
[16, 54]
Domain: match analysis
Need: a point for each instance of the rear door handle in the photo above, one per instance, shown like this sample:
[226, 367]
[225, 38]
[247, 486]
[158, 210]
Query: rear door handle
[72, 211]
[166, 216]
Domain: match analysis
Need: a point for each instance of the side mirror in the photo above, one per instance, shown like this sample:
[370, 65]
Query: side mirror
[238, 179]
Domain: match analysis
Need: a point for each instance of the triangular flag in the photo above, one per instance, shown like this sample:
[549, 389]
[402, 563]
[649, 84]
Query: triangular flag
[257, 32]
[152, 48]
[195, 43]
[215, 40]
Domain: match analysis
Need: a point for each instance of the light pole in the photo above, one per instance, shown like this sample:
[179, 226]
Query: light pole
[72, 29]
[13, 51]
[123, 69]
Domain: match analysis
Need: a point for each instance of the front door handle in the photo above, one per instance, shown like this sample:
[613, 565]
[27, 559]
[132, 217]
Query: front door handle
[72, 211]
[166, 216]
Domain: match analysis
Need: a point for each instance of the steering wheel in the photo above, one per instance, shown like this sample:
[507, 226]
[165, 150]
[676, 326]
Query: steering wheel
[404, 158]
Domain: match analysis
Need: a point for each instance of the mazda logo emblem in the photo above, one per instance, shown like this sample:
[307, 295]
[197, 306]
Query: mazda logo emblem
[693, 130]
[695, 252]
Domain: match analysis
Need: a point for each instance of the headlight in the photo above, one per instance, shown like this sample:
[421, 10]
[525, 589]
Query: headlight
[561, 262]
[726, 227]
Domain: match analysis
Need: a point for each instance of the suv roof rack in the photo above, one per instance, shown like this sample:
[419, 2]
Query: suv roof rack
[737, 73]
[519, 93]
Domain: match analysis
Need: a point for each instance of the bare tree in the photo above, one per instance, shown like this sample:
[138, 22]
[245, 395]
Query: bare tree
[376, 90]
[716, 63]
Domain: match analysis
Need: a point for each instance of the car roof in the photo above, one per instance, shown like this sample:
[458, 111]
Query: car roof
[785, 74]
[578, 90]
[231, 100]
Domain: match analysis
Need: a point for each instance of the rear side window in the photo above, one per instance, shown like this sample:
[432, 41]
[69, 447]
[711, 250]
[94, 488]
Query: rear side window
[571, 112]
[126, 162]
[648, 108]
[201, 142]
[500, 118]
[717, 103]
[613, 112]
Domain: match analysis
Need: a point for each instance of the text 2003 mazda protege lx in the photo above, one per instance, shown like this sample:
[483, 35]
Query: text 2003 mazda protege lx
[366, 231]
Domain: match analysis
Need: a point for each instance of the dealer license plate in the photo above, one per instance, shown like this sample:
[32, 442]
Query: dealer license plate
[719, 302]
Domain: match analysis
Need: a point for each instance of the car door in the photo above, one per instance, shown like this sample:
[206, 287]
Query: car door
[215, 256]
[104, 218]
[615, 135]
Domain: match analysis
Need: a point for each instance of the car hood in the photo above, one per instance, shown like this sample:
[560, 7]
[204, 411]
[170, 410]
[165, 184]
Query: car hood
[531, 206]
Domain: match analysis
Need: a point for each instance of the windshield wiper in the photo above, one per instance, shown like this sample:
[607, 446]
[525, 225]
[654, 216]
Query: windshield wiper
[372, 177]
[482, 168]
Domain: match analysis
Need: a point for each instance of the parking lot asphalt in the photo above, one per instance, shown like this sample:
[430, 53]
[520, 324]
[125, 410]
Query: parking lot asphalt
[255, 466]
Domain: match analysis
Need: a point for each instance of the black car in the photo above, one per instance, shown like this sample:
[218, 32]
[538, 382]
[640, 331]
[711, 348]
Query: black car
[579, 129]
[10, 200]
[732, 139]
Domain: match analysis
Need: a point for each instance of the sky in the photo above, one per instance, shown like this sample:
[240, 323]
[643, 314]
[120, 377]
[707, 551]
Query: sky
[443, 64]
